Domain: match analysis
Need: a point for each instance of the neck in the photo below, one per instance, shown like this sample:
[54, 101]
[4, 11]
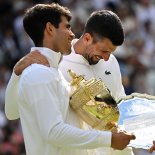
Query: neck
[47, 44]
[79, 47]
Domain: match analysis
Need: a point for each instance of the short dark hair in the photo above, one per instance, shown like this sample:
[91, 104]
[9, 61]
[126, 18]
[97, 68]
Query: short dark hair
[105, 24]
[35, 19]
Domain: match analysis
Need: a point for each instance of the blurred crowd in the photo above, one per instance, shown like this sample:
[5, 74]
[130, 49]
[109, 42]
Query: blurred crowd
[136, 56]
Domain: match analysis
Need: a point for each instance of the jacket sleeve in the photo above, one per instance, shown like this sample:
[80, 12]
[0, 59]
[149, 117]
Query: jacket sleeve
[11, 95]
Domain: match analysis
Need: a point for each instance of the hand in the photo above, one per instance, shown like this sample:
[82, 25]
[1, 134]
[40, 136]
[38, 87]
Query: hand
[31, 58]
[120, 139]
[152, 148]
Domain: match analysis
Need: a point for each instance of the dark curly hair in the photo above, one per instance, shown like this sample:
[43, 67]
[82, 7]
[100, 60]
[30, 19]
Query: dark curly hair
[35, 19]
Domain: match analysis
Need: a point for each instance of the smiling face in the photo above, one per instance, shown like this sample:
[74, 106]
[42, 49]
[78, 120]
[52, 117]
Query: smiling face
[103, 32]
[63, 37]
[101, 49]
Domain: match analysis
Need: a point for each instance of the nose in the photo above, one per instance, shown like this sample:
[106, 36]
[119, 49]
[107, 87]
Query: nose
[105, 57]
[72, 34]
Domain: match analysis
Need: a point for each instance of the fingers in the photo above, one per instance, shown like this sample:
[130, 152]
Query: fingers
[152, 148]
[35, 52]
[31, 58]
[121, 139]
[37, 57]
[132, 137]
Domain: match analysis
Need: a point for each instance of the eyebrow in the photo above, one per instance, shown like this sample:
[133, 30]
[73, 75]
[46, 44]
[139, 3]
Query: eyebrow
[113, 48]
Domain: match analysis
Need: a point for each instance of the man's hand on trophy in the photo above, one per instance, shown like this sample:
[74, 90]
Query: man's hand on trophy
[120, 139]
[31, 58]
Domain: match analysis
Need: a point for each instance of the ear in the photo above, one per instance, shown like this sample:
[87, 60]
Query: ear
[50, 29]
[87, 38]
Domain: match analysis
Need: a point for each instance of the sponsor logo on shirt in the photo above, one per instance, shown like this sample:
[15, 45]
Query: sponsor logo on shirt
[107, 72]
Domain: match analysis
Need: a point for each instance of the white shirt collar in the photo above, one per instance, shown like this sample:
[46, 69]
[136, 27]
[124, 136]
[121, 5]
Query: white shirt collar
[52, 56]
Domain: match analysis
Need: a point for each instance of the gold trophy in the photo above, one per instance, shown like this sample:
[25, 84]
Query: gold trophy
[92, 101]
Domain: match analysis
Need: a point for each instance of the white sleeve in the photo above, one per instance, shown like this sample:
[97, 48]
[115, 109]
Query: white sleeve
[42, 95]
[11, 95]
[120, 92]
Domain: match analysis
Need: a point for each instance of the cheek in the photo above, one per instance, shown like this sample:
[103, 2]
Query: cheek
[61, 34]
[91, 51]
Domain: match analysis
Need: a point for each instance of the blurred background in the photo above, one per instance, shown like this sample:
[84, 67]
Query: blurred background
[136, 56]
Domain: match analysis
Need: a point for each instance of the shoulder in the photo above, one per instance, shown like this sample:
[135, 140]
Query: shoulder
[113, 58]
[71, 56]
[113, 61]
[38, 74]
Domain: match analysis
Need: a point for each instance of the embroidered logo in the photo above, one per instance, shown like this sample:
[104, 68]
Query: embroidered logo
[107, 72]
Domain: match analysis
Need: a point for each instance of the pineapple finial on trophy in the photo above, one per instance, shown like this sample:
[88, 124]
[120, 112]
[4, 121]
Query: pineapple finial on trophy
[76, 79]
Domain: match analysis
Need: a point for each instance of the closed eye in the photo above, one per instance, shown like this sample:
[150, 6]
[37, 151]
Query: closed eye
[68, 26]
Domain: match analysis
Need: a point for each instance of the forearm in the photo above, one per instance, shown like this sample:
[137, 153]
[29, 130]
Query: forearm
[67, 136]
